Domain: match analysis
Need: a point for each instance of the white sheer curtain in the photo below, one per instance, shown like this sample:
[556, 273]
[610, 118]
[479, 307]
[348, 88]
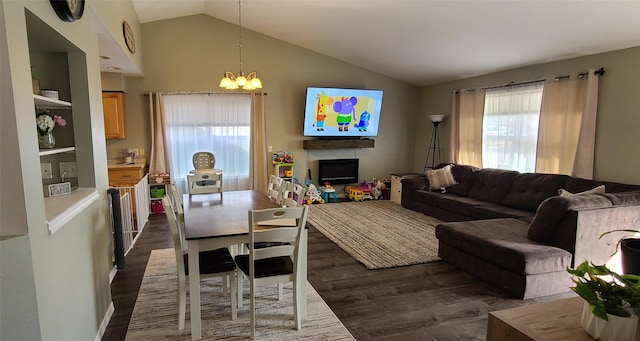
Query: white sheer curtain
[217, 123]
[510, 127]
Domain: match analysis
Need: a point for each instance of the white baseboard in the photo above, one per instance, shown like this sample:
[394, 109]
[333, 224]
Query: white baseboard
[112, 274]
[105, 322]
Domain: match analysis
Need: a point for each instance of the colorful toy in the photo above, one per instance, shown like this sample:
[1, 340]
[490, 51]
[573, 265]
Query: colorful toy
[366, 189]
[283, 157]
[313, 195]
[378, 187]
[354, 193]
[327, 191]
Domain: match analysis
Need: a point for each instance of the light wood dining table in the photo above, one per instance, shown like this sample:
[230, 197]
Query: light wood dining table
[219, 220]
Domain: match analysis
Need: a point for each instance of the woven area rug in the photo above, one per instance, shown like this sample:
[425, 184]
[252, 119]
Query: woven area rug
[155, 315]
[378, 233]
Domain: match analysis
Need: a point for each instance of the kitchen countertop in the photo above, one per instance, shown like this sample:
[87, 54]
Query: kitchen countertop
[137, 164]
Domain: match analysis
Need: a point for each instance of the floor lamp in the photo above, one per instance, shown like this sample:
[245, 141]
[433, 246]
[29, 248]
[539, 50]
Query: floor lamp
[434, 144]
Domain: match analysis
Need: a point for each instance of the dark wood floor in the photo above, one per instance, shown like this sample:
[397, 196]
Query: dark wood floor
[433, 301]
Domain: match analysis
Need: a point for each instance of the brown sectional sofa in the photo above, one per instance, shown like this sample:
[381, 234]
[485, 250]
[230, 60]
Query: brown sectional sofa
[513, 230]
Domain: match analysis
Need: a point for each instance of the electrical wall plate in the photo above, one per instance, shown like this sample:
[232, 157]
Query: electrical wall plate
[58, 189]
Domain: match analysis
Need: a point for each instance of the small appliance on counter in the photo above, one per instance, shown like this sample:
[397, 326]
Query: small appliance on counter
[129, 156]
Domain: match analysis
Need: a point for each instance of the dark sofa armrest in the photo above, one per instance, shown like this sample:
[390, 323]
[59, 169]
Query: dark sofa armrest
[415, 183]
[553, 210]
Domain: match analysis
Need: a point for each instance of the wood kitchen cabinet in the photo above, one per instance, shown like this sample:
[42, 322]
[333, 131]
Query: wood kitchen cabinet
[113, 108]
[126, 177]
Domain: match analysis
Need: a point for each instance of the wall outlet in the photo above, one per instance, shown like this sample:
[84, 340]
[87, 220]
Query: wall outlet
[70, 168]
[141, 151]
[45, 169]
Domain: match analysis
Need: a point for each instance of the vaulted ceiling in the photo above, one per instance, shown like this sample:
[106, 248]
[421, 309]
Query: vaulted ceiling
[425, 42]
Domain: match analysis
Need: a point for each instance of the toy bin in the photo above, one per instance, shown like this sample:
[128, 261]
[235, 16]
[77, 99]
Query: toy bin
[157, 192]
[156, 206]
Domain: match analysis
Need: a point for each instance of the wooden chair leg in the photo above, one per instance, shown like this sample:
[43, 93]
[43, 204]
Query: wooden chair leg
[240, 279]
[253, 310]
[182, 301]
[234, 301]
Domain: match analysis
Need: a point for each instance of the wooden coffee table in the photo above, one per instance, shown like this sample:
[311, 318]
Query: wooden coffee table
[555, 320]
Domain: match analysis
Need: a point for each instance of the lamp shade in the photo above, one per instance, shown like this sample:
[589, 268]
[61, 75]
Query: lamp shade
[436, 118]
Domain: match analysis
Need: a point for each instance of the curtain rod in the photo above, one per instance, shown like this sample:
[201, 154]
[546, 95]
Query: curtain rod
[169, 93]
[598, 72]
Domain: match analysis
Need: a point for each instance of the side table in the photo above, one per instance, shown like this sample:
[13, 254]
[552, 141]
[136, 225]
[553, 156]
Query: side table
[396, 185]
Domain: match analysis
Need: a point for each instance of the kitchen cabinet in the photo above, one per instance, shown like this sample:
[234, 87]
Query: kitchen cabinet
[126, 177]
[114, 115]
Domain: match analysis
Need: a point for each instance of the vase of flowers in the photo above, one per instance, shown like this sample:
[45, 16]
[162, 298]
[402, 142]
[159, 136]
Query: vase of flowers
[46, 121]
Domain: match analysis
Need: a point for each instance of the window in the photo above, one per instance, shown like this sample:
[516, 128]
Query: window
[510, 127]
[216, 123]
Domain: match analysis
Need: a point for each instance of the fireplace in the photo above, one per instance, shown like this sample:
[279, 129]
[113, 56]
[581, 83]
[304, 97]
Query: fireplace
[338, 171]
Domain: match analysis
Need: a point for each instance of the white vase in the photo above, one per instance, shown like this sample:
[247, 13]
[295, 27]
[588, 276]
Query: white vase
[615, 329]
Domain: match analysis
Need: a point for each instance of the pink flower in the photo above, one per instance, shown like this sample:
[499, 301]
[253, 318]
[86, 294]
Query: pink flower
[59, 120]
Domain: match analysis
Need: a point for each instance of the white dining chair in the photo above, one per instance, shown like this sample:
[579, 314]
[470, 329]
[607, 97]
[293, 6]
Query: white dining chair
[293, 195]
[214, 263]
[280, 262]
[276, 189]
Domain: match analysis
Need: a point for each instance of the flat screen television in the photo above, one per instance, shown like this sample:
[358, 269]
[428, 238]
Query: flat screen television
[349, 113]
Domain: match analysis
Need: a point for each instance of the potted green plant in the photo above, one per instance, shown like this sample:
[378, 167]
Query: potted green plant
[611, 301]
[629, 249]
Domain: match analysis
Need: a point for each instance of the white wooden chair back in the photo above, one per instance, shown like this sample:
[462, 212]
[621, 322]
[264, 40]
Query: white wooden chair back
[293, 195]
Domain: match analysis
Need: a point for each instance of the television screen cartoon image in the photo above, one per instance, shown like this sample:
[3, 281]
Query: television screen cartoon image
[334, 112]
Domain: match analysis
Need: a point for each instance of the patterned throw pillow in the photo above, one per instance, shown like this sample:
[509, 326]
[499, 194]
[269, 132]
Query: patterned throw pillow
[441, 178]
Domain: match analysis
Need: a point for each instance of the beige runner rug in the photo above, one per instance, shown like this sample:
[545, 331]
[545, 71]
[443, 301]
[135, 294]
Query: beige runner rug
[378, 233]
[155, 315]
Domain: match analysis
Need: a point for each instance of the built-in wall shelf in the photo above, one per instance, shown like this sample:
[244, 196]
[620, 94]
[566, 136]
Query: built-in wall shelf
[52, 151]
[49, 103]
[61, 209]
[338, 144]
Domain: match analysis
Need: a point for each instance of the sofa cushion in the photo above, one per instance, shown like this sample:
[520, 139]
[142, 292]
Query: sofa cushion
[492, 185]
[553, 210]
[465, 176]
[441, 178]
[530, 189]
[504, 242]
[427, 197]
[624, 198]
[499, 211]
[460, 205]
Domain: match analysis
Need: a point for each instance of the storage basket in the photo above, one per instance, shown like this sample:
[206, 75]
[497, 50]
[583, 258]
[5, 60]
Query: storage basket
[156, 207]
[157, 192]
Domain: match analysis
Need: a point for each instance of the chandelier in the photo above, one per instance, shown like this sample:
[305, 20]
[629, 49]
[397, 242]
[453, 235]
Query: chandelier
[229, 80]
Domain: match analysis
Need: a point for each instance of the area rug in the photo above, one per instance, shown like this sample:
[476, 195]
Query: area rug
[378, 233]
[155, 315]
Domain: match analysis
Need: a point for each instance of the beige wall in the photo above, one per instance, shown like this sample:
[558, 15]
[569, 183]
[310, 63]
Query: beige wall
[191, 54]
[52, 286]
[617, 137]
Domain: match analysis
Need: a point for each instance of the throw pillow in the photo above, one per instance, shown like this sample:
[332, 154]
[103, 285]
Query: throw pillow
[441, 178]
[598, 190]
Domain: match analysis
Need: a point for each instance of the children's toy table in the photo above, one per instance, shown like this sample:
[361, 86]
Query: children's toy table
[327, 193]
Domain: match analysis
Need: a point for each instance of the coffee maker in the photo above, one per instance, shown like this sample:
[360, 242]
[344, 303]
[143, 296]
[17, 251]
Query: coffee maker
[129, 156]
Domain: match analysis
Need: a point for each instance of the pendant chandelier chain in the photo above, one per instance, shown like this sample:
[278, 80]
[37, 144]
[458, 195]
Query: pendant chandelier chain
[240, 31]
[249, 82]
